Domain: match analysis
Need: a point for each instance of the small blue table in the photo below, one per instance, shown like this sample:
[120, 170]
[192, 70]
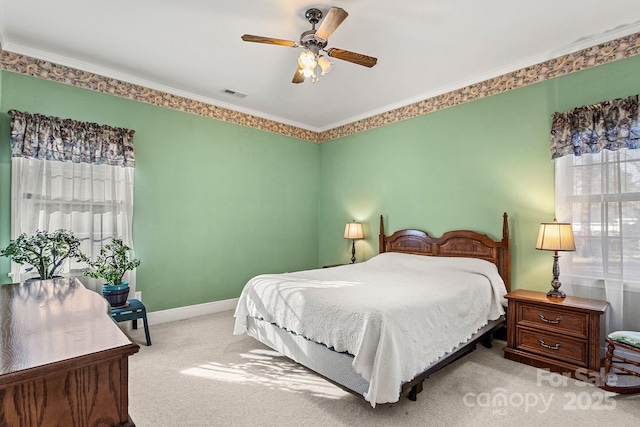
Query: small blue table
[133, 311]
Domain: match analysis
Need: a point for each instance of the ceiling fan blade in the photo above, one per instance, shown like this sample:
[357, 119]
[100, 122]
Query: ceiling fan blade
[356, 58]
[329, 24]
[269, 40]
[298, 77]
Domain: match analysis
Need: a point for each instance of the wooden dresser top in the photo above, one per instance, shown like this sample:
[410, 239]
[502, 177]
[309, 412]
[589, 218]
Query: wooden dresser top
[44, 322]
[571, 302]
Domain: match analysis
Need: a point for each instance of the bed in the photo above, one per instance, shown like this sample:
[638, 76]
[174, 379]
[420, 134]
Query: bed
[379, 328]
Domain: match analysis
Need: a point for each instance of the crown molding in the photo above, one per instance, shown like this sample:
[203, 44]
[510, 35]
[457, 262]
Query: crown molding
[105, 72]
[53, 71]
[584, 43]
[570, 59]
[593, 56]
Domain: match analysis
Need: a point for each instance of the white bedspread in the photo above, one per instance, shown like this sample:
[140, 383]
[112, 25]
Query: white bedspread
[396, 313]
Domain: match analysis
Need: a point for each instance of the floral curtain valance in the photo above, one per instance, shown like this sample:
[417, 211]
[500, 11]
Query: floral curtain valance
[610, 125]
[66, 140]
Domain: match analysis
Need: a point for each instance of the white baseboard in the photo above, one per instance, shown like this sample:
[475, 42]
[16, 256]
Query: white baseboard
[181, 313]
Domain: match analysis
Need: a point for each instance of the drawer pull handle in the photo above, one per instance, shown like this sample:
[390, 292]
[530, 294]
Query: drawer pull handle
[550, 347]
[554, 322]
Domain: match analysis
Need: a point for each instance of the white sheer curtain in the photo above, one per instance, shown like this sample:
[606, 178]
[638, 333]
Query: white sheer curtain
[599, 193]
[93, 201]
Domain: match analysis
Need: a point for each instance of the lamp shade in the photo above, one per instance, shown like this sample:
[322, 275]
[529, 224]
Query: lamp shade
[555, 236]
[353, 230]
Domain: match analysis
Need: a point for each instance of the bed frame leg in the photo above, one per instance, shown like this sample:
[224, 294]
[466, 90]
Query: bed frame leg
[413, 393]
[486, 341]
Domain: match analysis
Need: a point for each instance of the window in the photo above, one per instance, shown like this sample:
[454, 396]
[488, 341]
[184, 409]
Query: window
[599, 193]
[73, 176]
[597, 153]
[95, 202]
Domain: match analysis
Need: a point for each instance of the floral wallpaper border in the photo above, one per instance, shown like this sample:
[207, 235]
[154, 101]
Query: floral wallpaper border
[604, 53]
[623, 47]
[46, 70]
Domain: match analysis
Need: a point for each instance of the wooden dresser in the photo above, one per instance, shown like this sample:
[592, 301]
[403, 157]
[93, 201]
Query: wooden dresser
[560, 334]
[63, 361]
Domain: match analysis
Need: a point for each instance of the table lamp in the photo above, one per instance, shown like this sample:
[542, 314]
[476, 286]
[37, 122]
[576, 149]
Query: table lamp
[555, 236]
[353, 231]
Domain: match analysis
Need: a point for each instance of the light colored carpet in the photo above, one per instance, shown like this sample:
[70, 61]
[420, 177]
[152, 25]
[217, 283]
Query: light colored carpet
[197, 373]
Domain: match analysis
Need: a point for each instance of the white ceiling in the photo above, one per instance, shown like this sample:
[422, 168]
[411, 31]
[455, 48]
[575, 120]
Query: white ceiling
[193, 47]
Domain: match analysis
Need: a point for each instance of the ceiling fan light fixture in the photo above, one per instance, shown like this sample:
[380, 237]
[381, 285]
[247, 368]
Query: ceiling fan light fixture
[307, 60]
[325, 65]
[308, 63]
[311, 63]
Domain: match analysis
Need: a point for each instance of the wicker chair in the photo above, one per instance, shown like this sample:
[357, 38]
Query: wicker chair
[629, 341]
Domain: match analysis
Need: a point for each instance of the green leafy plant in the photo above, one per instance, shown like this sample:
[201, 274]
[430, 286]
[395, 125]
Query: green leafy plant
[113, 261]
[46, 252]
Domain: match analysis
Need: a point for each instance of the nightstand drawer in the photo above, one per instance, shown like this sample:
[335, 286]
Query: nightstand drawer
[559, 347]
[554, 320]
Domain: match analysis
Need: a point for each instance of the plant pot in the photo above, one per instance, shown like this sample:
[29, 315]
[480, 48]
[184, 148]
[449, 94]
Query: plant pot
[116, 295]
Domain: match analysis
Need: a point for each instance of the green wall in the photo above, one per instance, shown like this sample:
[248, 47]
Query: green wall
[215, 203]
[461, 168]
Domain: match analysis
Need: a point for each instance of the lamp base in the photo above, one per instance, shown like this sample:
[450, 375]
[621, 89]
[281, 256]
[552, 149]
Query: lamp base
[555, 283]
[556, 293]
[353, 251]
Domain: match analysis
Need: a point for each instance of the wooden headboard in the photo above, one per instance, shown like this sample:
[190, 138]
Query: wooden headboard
[459, 243]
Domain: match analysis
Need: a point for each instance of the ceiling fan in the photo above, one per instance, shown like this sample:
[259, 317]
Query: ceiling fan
[315, 42]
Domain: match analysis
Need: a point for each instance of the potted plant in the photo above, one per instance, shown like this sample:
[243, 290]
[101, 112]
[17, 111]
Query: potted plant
[113, 261]
[45, 252]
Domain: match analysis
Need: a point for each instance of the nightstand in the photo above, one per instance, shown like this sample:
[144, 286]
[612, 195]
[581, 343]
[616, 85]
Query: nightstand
[560, 334]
